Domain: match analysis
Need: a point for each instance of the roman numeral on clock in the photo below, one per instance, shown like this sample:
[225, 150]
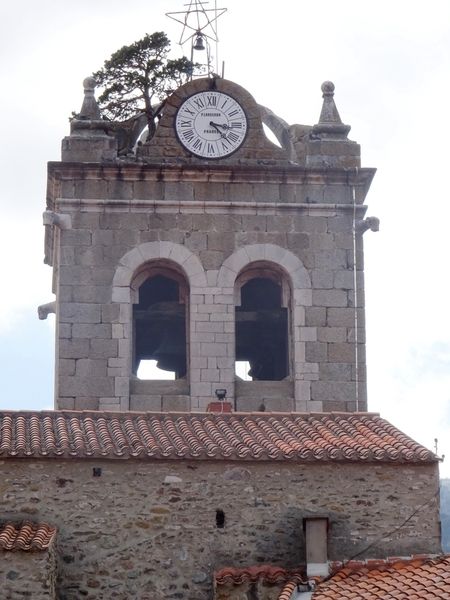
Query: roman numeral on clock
[233, 136]
[188, 135]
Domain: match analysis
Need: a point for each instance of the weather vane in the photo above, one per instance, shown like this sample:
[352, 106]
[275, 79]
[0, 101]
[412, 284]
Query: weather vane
[203, 23]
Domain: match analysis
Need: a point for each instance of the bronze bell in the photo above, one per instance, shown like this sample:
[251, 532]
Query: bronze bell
[199, 42]
[171, 353]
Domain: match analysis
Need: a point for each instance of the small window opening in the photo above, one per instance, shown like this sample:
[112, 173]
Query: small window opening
[220, 519]
[159, 320]
[262, 331]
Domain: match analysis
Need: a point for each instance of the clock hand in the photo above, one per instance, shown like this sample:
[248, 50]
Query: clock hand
[216, 127]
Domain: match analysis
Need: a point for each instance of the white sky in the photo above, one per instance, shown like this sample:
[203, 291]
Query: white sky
[390, 62]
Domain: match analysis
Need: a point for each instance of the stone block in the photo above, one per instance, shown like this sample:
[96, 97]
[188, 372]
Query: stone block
[145, 387]
[332, 334]
[256, 223]
[65, 293]
[331, 259]
[87, 367]
[143, 403]
[175, 403]
[67, 255]
[343, 280]
[239, 192]
[202, 388]
[335, 372]
[65, 403]
[307, 334]
[316, 352]
[64, 330]
[302, 297]
[251, 404]
[86, 404]
[195, 241]
[221, 241]
[103, 348]
[121, 294]
[92, 294]
[73, 348]
[341, 353]
[322, 279]
[344, 241]
[208, 327]
[75, 237]
[90, 256]
[266, 192]
[343, 317]
[340, 224]
[82, 330]
[110, 313]
[148, 190]
[333, 391]
[213, 349]
[121, 386]
[86, 386]
[66, 366]
[315, 316]
[178, 191]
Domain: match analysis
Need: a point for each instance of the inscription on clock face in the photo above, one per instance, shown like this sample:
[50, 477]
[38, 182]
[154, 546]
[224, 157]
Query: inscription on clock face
[211, 124]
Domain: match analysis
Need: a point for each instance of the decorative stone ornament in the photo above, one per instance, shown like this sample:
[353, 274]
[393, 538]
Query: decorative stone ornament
[211, 124]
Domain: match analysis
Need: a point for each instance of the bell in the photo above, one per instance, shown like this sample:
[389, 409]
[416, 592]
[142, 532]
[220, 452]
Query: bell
[171, 353]
[199, 42]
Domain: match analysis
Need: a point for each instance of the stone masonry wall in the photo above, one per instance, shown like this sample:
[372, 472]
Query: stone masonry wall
[148, 530]
[28, 575]
[212, 231]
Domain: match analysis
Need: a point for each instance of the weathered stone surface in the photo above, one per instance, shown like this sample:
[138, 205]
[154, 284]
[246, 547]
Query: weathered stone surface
[28, 574]
[156, 520]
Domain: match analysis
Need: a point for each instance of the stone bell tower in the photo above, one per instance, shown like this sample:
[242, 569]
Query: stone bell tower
[205, 248]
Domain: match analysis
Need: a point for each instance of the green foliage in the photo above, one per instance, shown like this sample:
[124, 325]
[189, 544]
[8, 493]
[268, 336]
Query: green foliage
[138, 78]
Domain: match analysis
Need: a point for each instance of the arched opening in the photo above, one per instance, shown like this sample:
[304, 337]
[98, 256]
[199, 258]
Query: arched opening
[160, 324]
[262, 325]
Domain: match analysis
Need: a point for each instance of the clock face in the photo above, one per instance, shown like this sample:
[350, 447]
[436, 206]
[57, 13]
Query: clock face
[211, 124]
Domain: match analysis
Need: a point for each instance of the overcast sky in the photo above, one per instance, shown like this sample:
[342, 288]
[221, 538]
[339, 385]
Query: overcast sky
[390, 62]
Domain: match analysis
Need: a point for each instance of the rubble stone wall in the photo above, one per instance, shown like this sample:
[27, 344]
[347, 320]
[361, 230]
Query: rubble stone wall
[25, 574]
[149, 529]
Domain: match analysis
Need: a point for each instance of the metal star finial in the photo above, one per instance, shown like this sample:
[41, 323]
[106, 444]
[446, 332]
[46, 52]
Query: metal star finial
[202, 22]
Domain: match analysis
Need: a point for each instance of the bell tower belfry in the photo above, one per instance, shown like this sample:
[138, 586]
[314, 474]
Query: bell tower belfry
[206, 249]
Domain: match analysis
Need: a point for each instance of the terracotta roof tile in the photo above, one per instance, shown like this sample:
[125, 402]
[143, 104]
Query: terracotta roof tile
[26, 536]
[421, 577]
[424, 577]
[267, 573]
[236, 436]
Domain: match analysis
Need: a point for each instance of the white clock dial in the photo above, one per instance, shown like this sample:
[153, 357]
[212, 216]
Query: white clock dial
[211, 124]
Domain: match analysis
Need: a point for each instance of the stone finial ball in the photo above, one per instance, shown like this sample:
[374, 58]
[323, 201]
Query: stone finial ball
[327, 87]
[89, 83]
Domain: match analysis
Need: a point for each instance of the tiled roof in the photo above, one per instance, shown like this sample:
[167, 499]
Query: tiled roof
[26, 536]
[420, 577]
[267, 573]
[237, 436]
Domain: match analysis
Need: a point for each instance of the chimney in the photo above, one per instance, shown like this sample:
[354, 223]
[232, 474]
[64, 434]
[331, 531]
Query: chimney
[316, 537]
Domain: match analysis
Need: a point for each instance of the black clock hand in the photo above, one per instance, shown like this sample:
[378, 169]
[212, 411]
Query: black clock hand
[216, 127]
